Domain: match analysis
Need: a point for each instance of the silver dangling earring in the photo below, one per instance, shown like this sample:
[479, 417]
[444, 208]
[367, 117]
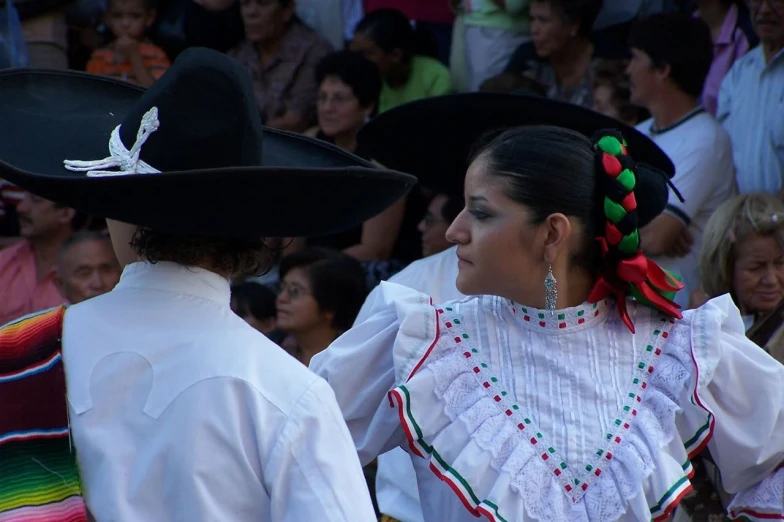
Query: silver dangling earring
[550, 291]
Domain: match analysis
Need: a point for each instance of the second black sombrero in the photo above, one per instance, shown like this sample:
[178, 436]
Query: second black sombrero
[433, 138]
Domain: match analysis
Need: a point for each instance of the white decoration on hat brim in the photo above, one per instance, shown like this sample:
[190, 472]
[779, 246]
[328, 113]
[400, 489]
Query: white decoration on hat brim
[127, 161]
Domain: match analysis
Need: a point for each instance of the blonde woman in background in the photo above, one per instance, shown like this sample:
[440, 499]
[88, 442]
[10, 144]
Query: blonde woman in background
[743, 255]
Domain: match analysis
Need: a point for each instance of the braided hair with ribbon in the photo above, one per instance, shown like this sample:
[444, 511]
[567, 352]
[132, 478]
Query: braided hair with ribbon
[627, 272]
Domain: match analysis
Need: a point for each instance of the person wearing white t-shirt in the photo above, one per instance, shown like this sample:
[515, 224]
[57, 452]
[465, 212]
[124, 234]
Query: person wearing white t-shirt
[671, 56]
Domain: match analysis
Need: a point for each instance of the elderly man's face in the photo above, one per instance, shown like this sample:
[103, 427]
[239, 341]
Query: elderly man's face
[768, 19]
[87, 269]
[265, 20]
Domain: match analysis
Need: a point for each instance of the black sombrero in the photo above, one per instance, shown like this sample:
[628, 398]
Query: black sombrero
[432, 138]
[205, 164]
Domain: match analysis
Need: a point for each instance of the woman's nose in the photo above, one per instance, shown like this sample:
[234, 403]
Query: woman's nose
[457, 231]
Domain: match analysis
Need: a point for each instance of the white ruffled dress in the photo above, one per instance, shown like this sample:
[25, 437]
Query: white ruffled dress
[514, 414]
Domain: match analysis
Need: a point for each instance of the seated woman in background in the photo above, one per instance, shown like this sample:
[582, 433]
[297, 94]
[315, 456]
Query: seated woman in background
[743, 255]
[561, 54]
[612, 93]
[321, 292]
[386, 38]
[348, 89]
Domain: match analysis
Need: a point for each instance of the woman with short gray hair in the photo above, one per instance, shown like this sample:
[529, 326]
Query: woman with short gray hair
[743, 255]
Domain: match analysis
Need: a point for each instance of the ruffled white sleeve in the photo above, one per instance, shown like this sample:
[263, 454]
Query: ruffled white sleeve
[399, 326]
[734, 405]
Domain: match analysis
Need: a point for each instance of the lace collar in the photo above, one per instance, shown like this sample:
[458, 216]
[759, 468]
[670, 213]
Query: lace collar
[563, 320]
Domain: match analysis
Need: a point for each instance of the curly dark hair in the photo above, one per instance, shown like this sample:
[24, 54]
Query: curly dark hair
[234, 257]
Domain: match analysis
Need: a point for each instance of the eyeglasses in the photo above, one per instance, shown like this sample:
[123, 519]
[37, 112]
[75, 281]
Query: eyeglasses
[294, 291]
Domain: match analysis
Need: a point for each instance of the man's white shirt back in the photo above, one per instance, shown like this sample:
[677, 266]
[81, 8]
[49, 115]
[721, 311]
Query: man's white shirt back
[180, 411]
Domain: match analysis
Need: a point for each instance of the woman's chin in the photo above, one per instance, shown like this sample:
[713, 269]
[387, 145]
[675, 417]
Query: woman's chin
[331, 130]
[465, 284]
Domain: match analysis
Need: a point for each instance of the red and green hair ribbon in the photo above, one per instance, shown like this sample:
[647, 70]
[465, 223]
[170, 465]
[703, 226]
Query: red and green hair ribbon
[628, 272]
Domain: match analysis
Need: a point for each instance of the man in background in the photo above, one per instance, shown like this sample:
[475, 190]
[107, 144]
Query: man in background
[27, 268]
[86, 266]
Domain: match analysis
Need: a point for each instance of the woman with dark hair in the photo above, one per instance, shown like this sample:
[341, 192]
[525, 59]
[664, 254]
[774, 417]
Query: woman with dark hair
[348, 89]
[321, 292]
[386, 38]
[570, 387]
[561, 54]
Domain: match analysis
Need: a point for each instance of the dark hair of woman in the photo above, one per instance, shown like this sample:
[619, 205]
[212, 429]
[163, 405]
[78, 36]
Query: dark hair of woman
[389, 29]
[354, 70]
[249, 298]
[235, 257]
[338, 282]
[583, 12]
[555, 170]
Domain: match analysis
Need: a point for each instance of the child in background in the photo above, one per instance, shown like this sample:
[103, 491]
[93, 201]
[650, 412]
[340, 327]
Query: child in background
[131, 56]
[612, 93]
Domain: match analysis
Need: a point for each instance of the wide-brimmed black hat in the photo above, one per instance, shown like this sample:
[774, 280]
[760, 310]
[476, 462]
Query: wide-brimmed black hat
[433, 138]
[188, 155]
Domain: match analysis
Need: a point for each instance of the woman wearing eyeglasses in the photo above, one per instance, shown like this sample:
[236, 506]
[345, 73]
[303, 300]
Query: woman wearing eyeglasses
[349, 89]
[320, 294]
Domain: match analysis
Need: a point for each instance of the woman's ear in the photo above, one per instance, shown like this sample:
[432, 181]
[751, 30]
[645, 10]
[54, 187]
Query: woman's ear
[557, 230]
[329, 316]
[368, 111]
[574, 29]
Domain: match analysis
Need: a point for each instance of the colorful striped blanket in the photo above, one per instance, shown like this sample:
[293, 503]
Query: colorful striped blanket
[39, 480]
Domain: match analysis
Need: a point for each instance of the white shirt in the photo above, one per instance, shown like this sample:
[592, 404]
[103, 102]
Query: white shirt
[704, 175]
[520, 415]
[180, 411]
[396, 483]
[751, 109]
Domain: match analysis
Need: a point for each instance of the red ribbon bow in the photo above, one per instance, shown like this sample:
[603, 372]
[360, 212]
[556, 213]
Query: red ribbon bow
[645, 276]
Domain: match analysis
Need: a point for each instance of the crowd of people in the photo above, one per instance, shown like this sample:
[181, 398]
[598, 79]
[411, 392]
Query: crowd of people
[414, 86]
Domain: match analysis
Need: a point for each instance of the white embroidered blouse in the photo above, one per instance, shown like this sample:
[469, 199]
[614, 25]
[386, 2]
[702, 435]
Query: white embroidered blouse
[523, 415]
